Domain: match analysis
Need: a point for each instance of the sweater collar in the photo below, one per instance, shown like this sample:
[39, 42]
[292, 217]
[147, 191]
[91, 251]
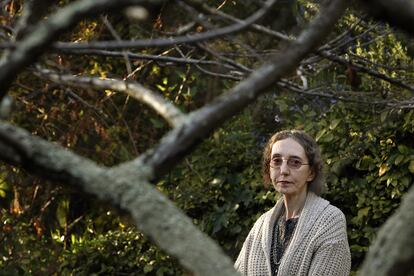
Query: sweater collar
[314, 205]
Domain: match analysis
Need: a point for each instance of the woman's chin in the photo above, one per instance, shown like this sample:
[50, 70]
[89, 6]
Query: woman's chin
[283, 190]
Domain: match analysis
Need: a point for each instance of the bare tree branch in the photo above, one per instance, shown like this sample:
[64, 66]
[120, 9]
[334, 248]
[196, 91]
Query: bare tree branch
[161, 42]
[153, 213]
[42, 36]
[135, 56]
[164, 108]
[117, 38]
[367, 70]
[220, 75]
[334, 42]
[322, 51]
[201, 6]
[364, 98]
[183, 139]
[368, 62]
[226, 60]
[392, 252]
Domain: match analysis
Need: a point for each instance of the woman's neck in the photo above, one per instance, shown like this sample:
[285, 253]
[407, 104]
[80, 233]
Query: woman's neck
[294, 204]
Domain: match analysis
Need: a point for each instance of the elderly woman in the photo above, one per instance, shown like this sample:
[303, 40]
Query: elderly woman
[303, 234]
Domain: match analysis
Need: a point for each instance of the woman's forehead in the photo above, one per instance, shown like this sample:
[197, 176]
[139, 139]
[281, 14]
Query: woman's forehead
[288, 147]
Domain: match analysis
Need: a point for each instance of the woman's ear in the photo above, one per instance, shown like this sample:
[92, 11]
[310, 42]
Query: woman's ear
[311, 176]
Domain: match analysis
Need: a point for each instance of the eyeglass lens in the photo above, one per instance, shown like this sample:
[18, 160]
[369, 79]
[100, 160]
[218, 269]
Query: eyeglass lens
[292, 163]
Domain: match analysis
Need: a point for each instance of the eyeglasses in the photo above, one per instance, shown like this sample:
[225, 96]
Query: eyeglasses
[292, 163]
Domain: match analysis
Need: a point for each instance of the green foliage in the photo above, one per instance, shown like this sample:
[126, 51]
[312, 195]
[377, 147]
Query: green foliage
[116, 253]
[22, 251]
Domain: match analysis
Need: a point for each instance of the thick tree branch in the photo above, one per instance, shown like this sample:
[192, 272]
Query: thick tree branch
[42, 36]
[152, 212]
[181, 140]
[164, 108]
[392, 252]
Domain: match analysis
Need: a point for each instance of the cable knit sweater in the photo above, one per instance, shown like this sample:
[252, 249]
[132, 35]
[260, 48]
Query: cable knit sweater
[319, 245]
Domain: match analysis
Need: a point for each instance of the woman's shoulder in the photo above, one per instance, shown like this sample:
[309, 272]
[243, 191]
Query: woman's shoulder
[327, 212]
[333, 217]
[328, 207]
[331, 209]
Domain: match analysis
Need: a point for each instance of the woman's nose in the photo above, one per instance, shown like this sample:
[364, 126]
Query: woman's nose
[284, 169]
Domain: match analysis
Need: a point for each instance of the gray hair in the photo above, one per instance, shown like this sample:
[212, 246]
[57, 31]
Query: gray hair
[312, 152]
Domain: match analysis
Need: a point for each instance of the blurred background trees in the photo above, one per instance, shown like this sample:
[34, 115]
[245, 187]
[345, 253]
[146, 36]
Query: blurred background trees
[354, 94]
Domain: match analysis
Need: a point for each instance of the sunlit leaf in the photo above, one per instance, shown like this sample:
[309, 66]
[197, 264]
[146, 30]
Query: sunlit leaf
[383, 169]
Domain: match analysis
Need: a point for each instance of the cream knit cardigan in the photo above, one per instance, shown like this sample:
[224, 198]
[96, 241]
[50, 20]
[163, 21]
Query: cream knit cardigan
[319, 245]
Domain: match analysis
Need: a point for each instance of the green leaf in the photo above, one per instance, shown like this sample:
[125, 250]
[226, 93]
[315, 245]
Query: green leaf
[320, 134]
[282, 106]
[334, 123]
[363, 212]
[365, 163]
[399, 159]
[405, 181]
[161, 88]
[384, 116]
[411, 166]
[383, 169]
[62, 211]
[148, 268]
[403, 149]
[157, 123]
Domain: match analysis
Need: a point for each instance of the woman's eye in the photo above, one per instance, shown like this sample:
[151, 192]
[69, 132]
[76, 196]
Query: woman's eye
[278, 161]
[295, 163]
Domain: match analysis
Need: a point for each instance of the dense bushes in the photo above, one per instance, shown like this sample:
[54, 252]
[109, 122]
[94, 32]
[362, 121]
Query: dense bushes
[369, 168]
[120, 252]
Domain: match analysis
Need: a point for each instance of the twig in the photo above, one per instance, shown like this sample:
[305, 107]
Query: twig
[166, 109]
[162, 42]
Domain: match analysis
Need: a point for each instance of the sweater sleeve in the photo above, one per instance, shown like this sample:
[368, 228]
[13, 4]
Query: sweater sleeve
[332, 257]
[241, 264]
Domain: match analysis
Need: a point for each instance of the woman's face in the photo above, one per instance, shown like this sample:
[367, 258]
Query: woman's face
[285, 179]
